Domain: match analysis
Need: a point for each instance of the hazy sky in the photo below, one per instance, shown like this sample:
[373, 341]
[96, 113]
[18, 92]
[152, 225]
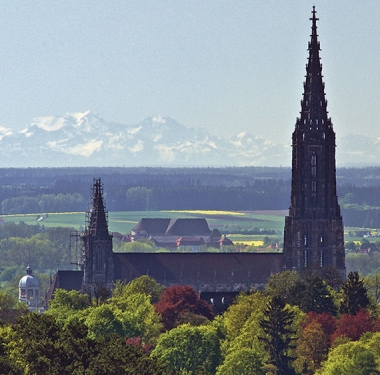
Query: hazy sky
[227, 66]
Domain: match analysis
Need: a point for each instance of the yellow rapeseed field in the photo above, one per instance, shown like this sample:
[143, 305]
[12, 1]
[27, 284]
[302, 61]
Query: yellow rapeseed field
[251, 243]
[209, 212]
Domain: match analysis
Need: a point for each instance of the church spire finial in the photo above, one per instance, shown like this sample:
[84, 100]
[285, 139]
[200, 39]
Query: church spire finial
[314, 44]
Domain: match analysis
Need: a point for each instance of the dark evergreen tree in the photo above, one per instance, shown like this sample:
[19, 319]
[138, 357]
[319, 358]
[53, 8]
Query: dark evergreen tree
[278, 335]
[317, 297]
[332, 277]
[355, 295]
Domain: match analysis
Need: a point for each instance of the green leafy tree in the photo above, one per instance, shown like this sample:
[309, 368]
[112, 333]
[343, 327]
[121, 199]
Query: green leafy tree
[10, 309]
[102, 320]
[238, 329]
[242, 361]
[278, 335]
[8, 366]
[188, 348]
[132, 304]
[287, 284]
[354, 358]
[138, 317]
[143, 284]
[240, 325]
[355, 295]
[372, 283]
[68, 305]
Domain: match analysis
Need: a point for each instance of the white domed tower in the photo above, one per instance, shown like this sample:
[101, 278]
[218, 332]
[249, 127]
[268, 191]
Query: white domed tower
[29, 289]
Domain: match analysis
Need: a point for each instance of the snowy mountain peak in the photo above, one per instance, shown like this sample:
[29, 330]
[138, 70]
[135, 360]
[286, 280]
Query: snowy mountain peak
[86, 139]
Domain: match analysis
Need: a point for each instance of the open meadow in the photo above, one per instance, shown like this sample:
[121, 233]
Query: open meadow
[235, 223]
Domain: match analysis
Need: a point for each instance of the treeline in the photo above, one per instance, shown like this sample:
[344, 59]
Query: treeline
[45, 249]
[44, 190]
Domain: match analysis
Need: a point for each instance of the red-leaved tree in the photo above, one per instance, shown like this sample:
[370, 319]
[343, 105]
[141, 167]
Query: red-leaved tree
[177, 300]
[327, 321]
[353, 326]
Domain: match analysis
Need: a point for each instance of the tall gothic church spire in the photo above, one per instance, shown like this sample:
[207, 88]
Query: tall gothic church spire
[313, 235]
[97, 242]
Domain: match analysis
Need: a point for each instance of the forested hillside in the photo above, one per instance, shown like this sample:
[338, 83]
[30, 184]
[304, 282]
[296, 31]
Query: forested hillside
[45, 190]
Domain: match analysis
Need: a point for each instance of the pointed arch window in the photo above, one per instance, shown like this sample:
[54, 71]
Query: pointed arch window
[313, 189]
[322, 258]
[321, 241]
[313, 163]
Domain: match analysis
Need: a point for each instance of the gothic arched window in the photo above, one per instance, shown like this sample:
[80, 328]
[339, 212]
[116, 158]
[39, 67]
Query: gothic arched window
[313, 164]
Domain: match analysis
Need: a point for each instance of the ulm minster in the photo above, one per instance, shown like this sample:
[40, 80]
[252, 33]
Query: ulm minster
[313, 233]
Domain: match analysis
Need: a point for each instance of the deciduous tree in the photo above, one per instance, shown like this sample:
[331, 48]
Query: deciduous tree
[143, 284]
[176, 300]
[287, 284]
[186, 348]
[242, 361]
[353, 358]
[353, 326]
[311, 348]
[327, 322]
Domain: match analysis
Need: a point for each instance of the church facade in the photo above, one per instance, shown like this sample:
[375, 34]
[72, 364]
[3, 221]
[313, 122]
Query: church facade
[313, 233]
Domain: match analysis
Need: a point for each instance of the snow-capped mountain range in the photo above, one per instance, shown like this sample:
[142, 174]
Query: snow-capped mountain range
[86, 139]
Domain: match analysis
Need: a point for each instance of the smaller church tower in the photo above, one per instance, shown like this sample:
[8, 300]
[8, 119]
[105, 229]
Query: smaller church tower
[29, 289]
[313, 235]
[97, 241]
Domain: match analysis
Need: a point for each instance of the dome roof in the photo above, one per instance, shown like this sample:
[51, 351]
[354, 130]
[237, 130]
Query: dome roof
[29, 281]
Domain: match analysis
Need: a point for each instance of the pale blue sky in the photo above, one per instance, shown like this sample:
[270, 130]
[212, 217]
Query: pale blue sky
[226, 66]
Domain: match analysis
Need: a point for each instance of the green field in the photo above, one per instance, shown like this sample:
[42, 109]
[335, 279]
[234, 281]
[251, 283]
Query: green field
[123, 222]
